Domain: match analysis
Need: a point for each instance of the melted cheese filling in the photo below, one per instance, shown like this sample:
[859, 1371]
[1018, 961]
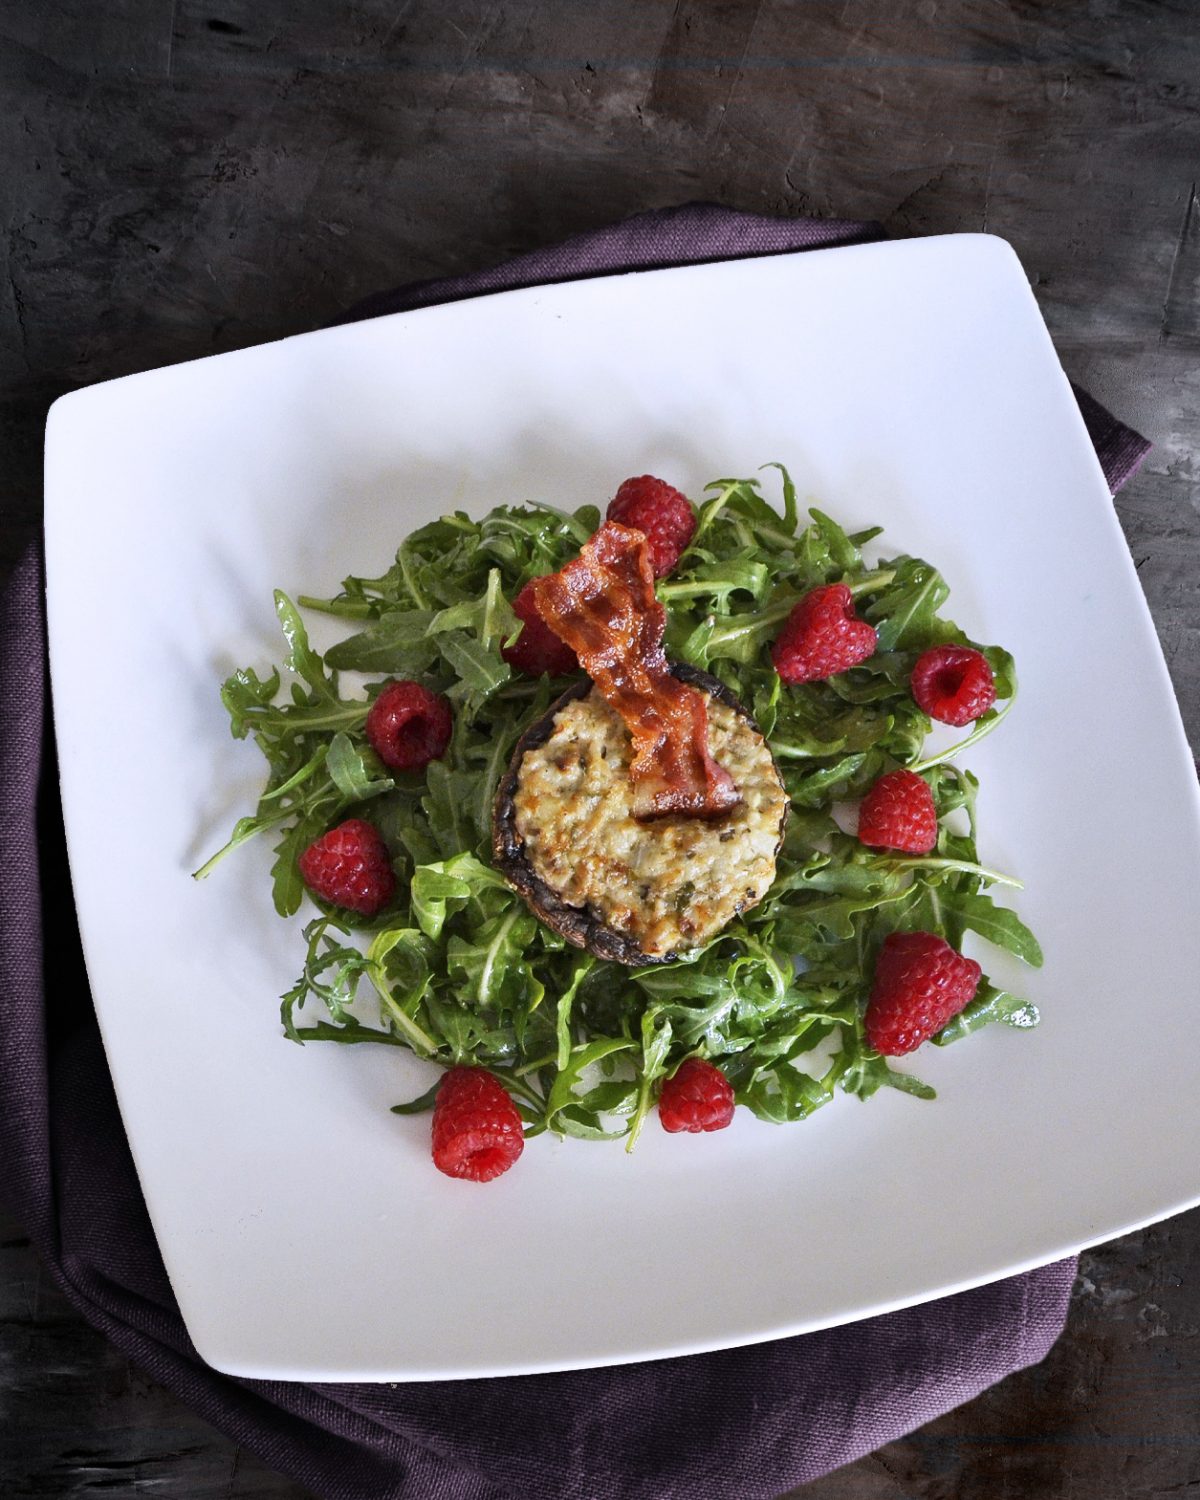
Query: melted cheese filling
[671, 884]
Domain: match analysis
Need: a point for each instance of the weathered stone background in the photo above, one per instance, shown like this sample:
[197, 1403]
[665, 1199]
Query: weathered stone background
[182, 177]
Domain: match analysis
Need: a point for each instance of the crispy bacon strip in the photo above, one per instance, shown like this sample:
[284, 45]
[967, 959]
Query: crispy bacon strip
[604, 607]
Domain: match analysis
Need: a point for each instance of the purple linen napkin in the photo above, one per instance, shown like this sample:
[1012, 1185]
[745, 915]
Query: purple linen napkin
[748, 1422]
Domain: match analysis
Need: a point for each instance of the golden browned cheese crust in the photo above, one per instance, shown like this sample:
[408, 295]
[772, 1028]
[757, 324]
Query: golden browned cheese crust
[670, 884]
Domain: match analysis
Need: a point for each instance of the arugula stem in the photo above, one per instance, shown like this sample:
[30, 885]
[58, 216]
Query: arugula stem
[997, 877]
[780, 538]
[493, 599]
[710, 511]
[744, 535]
[869, 582]
[639, 1115]
[514, 1081]
[668, 591]
[305, 771]
[538, 1062]
[326, 1031]
[350, 609]
[348, 715]
[245, 830]
[755, 620]
[980, 732]
[576, 528]
[410, 583]
[782, 750]
[495, 947]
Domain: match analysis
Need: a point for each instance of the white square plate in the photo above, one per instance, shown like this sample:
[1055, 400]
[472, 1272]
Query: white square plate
[305, 1231]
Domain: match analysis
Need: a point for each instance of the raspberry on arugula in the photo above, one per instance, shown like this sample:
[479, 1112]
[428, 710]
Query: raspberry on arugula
[349, 867]
[477, 1131]
[697, 1097]
[920, 984]
[898, 813]
[662, 513]
[953, 684]
[822, 636]
[408, 725]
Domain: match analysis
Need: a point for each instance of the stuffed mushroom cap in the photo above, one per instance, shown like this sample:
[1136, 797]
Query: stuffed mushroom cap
[634, 892]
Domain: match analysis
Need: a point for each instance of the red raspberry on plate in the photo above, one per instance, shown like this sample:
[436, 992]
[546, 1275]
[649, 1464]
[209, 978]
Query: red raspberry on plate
[349, 866]
[661, 512]
[408, 726]
[477, 1132]
[953, 684]
[920, 984]
[537, 649]
[822, 636]
[697, 1097]
[898, 813]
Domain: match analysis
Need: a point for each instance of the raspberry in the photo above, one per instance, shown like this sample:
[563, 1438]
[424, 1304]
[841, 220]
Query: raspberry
[920, 983]
[408, 726]
[537, 649]
[661, 512]
[898, 813]
[477, 1132]
[822, 636]
[349, 866]
[697, 1097]
[953, 684]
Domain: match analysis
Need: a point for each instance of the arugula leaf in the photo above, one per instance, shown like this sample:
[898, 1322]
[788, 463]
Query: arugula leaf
[868, 1073]
[996, 923]
[287, 886]
[791, 515]
[421, 1103]
[905, 613]
[447, 807]
[245, 695]
[301, 658]
[489, 618]
[562, 1016]
[489, 964]
[780, 1093]
[562, 1095]
[828, 549]
[480, 670]
[716, 581]
[357, 773]
[439, 890]
[656, 1035]
[398, 642]
[990, 1004]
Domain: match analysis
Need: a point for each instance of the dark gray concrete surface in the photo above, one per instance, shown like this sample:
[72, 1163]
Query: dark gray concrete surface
[181, 177]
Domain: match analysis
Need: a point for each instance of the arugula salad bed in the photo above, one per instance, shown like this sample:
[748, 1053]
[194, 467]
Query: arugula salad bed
[463, 972]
